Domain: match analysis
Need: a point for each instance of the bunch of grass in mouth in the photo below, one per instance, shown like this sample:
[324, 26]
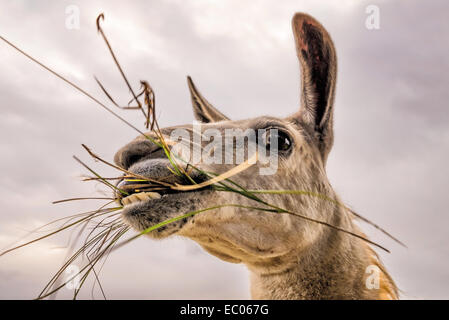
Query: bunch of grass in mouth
[107, 229]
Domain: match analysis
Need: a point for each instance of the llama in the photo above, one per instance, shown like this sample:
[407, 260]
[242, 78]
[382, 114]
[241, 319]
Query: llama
[288, 257]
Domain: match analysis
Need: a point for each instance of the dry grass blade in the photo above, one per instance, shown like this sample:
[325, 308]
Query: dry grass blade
[252, 196]
[39, 229]
[183, 216]
[89, 242]
[82, 198]
[55, 232]
[129, 173]
[97, 258]
[104, 181]
[101, 17]
[110, 97]
[232, 172]
[274, 210]
[88, 178]
[45, 291]
[150, 101]
[70, 254]
[87, 268]
[318, 195]
[72, 85]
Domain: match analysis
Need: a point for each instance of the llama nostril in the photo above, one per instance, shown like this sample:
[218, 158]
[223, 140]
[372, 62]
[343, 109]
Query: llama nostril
[135, 152]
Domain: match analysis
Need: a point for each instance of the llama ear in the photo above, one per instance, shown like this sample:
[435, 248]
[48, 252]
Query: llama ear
[316, 54]
[202, 109]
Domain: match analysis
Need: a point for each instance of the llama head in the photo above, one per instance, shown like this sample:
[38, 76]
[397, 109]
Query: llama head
[299, 143]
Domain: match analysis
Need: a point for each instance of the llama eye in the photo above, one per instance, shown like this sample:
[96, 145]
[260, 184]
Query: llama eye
[283, 139]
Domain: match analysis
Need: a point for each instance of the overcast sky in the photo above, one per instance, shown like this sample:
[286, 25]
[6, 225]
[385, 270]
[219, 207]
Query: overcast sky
[389, 160]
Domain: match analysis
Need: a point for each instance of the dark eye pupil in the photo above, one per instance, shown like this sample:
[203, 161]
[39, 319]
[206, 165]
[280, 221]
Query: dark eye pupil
[283, 140]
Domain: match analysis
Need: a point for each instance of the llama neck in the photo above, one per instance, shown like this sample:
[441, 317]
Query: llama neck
[335, 268]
